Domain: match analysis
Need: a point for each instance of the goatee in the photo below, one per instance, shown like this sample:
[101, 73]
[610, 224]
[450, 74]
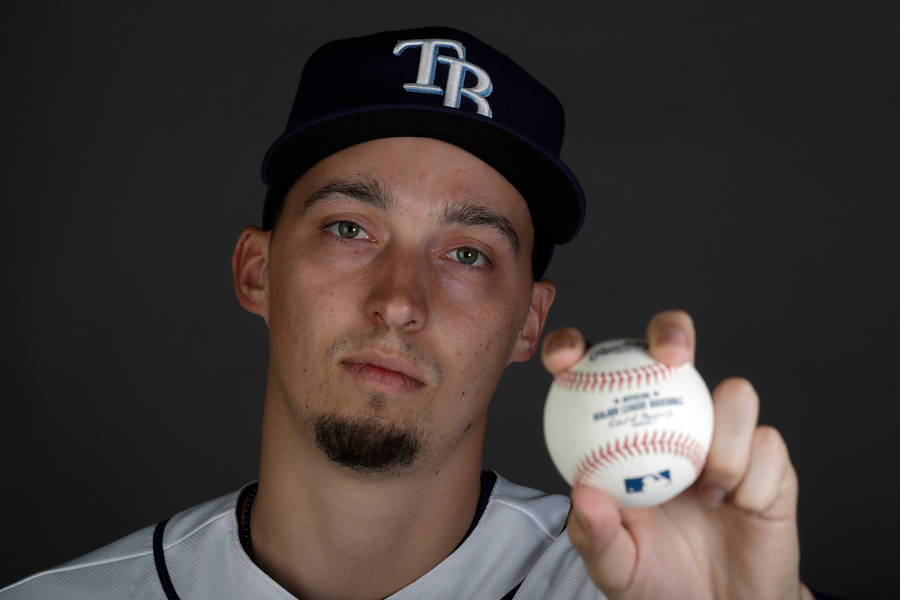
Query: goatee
[365, 445]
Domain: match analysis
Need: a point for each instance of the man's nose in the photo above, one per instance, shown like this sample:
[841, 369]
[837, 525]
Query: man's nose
[399, 296]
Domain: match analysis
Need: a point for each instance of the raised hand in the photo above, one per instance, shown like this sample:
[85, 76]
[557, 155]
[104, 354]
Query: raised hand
[733, 534]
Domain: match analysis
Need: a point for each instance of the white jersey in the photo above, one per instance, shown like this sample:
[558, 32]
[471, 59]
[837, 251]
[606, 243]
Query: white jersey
[518, 547]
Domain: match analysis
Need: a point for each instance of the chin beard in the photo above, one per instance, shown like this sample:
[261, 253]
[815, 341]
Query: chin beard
[365, 445]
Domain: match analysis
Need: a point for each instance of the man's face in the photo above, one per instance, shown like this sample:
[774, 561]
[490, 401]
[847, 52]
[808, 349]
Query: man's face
[398, 287]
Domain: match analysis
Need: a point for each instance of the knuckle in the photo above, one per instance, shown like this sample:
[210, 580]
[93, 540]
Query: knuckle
[790, 475]
[791, 479]
[725, 469]
[737, 406]
[771, 474]
[752, 501]
[768, 439]
[736, 386]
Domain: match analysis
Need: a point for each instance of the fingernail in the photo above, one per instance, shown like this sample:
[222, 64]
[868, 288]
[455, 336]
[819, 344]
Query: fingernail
[559, 343]
[672, 337]
[713, 495]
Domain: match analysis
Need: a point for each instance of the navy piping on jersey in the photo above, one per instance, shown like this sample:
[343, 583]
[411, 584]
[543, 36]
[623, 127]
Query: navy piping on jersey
[160, 558]
[488, 479]
[512, 592]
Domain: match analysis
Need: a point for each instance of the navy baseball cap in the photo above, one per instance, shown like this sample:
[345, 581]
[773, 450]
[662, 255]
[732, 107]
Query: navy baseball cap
[440, 83]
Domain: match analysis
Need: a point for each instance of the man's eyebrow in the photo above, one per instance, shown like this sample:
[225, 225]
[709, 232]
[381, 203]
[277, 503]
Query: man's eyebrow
[471, 214]
[363, 190]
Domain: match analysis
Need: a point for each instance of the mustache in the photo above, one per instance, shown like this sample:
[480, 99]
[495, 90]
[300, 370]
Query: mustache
[390, 344]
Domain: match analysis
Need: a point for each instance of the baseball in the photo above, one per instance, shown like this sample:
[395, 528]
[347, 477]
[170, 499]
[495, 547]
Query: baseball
[625, 423]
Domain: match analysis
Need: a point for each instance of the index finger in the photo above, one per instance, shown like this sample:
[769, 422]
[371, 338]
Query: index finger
[672, 337]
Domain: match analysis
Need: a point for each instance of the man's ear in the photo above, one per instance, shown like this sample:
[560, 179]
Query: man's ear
[542, 295]
[249, 266]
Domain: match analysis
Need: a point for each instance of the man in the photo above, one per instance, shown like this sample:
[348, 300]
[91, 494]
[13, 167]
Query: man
[413, 204]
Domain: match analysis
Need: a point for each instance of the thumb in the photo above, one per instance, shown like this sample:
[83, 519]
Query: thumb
[562, 349]
[596, 531]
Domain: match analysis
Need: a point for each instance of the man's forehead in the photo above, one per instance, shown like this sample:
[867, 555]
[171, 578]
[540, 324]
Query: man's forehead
[397, 166]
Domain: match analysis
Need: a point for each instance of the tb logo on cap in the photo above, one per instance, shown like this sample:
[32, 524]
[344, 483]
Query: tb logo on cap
[458, 67]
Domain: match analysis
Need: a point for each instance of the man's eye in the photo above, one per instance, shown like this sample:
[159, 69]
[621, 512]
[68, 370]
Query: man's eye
[469, 256]
[348, 230]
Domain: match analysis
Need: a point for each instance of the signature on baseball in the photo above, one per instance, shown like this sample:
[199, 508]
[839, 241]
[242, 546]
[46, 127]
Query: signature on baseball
[639, 419]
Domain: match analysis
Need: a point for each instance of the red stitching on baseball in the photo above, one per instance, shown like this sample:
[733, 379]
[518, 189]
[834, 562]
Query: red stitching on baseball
[582, 381]
[669, 443]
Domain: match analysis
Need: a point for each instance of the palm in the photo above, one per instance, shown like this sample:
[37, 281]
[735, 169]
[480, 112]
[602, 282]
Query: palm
[687, 549]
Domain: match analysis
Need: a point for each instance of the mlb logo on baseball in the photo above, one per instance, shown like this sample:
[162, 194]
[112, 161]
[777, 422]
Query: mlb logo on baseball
[636, 428]
[651, 481]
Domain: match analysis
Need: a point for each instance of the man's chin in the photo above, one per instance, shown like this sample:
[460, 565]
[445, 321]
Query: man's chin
[366, 445]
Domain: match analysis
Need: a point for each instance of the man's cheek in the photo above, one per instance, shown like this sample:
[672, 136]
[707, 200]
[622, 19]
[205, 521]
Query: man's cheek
[486, 350]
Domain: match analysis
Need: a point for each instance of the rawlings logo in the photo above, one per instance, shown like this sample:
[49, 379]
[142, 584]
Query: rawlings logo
[619, 348]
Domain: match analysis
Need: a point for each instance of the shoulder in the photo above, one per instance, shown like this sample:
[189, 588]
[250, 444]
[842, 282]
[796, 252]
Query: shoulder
[528, 510]
[125, 568]
[121, 562]
[556, 570]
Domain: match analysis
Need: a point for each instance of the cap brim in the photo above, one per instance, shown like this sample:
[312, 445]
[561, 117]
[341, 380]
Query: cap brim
[553, 194]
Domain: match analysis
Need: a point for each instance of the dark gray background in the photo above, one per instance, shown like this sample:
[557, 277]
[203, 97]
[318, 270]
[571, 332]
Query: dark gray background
[740, 162]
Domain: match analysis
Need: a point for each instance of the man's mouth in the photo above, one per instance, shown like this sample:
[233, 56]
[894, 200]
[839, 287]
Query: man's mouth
[384, 374]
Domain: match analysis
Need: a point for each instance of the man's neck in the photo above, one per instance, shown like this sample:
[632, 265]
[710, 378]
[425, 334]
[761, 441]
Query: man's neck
[326, 532]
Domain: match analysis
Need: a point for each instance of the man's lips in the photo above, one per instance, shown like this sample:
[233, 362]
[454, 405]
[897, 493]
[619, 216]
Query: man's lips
[386, 375]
